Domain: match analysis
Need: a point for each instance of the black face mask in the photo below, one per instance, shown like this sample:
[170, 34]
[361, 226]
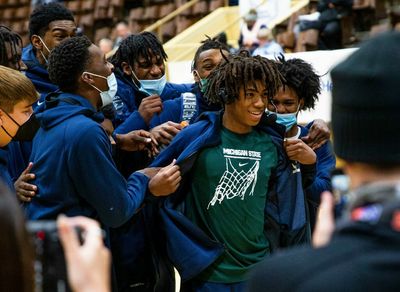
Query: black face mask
[26, 131]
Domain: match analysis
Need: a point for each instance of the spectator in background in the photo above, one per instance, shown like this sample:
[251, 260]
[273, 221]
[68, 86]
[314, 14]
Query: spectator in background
[122, 32]
[330, 30]
[249, 30]
[328, 23]
[362, 253]
[106, 45]
[268, 47]
[49, 24]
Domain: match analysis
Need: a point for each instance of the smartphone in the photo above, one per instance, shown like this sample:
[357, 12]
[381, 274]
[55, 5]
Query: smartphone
[50, 269]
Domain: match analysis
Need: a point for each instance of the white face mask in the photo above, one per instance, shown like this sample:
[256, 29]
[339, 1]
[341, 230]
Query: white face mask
[151, 86]
[44, 44]
[108, 95]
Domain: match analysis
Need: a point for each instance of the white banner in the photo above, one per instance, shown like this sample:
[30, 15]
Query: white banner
[267, 12]
[322, 61]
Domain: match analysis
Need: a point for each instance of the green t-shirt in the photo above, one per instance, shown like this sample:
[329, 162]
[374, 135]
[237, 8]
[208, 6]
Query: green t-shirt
[227, 200]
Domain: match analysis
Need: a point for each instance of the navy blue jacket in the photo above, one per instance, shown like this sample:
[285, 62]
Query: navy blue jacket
[4, 174]
[19, 152]
[188, 247]
[37, 73]
[326, 163]
[18, 157]
[75, 172]
[363, 254]
[128, 99]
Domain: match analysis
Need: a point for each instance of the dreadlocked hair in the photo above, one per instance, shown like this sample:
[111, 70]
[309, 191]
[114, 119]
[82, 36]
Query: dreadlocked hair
[208, 44]
[300, 77]
[226, 80]
[14, 40]
[143, 45]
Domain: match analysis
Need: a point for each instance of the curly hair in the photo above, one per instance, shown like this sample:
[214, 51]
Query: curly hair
[136, 46]
[46, 13]
[226, 80]
[208, 44]
[300, 77]
[15, 41]
[67, 62]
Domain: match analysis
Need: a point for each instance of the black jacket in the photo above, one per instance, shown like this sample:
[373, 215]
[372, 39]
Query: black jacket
[362, 256]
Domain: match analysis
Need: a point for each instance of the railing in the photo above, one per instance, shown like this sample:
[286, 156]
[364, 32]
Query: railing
[157, 26]
[183, 46]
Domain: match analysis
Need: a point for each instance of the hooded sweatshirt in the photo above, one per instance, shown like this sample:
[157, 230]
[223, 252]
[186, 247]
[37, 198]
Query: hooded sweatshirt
[75, 172]
[128, 99]
[4, 174]
[37, 73]
[18, 151]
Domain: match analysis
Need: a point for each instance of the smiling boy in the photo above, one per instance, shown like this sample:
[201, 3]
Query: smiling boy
[227, 160]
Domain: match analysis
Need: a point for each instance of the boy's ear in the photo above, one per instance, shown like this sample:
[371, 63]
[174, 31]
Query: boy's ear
[196, 76]
[87, 78]
[126, 68]
[301, 103]
[36, 42]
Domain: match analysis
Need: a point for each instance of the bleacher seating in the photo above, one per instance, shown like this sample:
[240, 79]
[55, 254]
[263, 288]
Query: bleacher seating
[97, 17]
[13, 13]
[140, 17]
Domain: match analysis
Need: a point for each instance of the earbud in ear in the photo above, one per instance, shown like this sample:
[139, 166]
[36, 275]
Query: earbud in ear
[223, 96]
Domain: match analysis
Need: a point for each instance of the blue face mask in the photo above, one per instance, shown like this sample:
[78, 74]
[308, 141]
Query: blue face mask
[150, 87]
[287, 120]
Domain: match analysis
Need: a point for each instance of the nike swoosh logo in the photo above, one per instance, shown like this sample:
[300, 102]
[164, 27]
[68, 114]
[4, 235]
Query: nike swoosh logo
[243, 164]
[40, 103]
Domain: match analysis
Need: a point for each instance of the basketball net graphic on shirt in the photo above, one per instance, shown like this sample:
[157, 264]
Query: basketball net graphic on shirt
[235, 183]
